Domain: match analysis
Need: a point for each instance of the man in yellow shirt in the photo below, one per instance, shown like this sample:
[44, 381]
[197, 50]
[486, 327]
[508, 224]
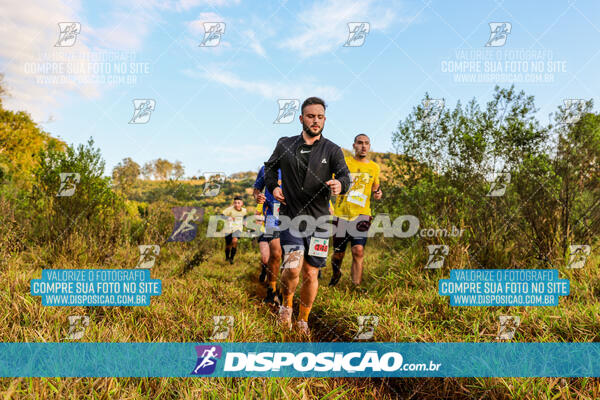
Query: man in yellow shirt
[353, 210]
[235, 227]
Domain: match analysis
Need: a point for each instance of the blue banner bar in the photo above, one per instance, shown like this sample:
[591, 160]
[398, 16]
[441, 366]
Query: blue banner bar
[300, 359]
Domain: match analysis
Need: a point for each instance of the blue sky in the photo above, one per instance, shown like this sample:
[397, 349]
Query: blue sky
[215, 106]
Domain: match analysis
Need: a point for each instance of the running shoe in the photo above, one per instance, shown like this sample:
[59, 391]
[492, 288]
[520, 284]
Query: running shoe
[285, 316]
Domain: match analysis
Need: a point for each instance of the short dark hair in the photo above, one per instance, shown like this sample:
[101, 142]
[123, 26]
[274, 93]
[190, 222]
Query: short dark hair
[312, 100]
[237, 198]
[361, 134]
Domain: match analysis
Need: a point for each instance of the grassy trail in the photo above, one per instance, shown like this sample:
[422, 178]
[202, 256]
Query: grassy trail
[399, 292]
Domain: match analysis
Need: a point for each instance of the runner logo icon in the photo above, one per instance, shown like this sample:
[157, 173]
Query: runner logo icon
[207, 359]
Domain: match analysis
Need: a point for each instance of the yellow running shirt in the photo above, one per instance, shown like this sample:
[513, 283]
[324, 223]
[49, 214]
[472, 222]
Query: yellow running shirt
[357, 199]
[236, 219]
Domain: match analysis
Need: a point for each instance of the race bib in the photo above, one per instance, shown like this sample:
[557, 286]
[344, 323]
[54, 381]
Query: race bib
[356, 192]
[276, 205]
[318, 247]
[357, 198]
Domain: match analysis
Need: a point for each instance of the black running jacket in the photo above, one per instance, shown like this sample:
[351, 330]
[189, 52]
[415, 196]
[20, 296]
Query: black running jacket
[308, 196]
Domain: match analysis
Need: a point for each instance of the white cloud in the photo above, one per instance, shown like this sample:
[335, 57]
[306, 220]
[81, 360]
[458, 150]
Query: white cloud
[324, 26]
[30, 31]
[128, 27]
[196, 27]
[266, 89]
[184, 5]
[254, 43]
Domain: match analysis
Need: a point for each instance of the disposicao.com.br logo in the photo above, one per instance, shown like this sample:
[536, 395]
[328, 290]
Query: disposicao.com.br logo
[326, 362]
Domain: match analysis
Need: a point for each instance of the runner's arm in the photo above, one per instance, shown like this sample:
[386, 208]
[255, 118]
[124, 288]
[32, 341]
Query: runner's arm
[271, 167]
[376, 188]
[259, 197]
[259, 184]
[377, 193]
[340, 169]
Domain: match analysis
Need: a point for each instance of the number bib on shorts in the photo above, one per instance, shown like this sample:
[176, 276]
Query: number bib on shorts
[318, 247]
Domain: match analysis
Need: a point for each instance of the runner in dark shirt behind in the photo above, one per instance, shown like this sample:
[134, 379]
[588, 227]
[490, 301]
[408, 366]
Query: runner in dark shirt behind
[270, 249]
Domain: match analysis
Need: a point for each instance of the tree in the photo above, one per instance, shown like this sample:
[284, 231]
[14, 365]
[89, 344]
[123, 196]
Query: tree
[161, 169]
[90, 206]
[125, 174]
[21, 140]
[578, 167]
[178, 170]
[148, 170]
[553, 189]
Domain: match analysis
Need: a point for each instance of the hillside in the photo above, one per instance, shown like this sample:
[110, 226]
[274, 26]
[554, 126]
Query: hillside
[190, 191]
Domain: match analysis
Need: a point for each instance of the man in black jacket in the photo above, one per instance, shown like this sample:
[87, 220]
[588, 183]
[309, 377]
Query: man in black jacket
[307, 163]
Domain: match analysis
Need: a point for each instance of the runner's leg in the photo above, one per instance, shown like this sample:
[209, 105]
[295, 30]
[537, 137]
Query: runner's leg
[357, 263]
[289, 280]
[308, 291]
[273, 263]
[339, 250]
[233, 248]
[263, 248]
[227, 247]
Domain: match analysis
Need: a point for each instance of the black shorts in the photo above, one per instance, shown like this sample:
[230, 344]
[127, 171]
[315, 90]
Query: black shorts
[292, 241]
[229, 238]
[361, 224]
[267, 238]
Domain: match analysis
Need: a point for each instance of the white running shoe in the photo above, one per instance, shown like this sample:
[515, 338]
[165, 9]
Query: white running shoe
[303, 327]
[285, 316]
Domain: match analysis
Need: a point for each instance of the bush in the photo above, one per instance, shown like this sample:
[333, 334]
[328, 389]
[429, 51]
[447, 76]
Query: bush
[94, 210]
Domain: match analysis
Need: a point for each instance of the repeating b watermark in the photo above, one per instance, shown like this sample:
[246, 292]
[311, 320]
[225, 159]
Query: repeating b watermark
[573, 110]
[499, 184]
[142, 109]
[437, 255]
[498, 34]
[77, 326]
[67, 35]
[432, 110]
[507, 327]
[212, 34]
[287, 110]
[366, 327]
[578, 255]
[148, 254]
[68, 184]
[223, 325]
[212, 183]
[357, 34]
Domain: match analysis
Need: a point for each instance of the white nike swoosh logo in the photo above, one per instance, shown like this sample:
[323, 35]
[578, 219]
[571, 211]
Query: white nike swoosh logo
[304, 152]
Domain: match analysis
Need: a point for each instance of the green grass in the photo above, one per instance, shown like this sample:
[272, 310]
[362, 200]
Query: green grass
[400, 292]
